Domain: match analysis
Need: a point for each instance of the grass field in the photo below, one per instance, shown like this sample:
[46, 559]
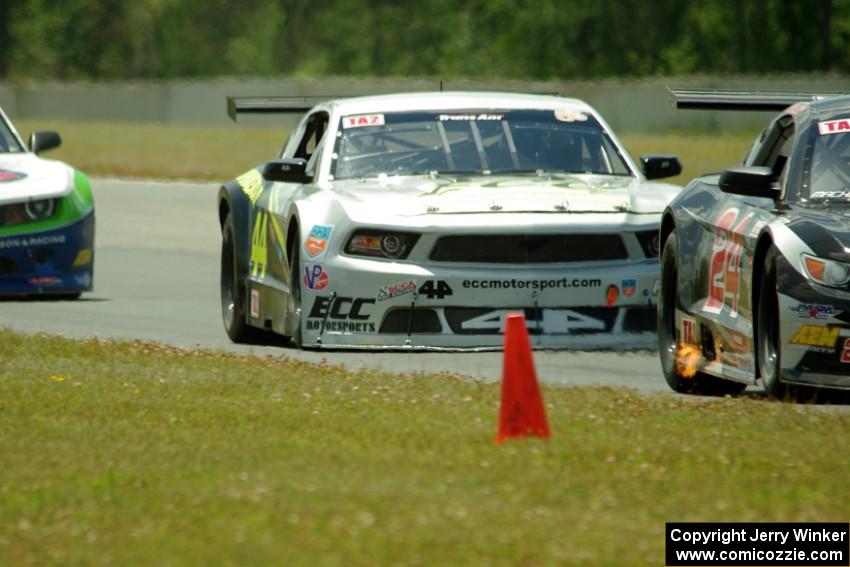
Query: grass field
[221, 153]
[133, 453]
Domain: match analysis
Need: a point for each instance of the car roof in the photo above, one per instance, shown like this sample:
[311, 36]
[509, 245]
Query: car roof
[450, 100]
[828, 106]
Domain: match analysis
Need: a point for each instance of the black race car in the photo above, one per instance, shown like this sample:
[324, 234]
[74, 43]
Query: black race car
[755, 263]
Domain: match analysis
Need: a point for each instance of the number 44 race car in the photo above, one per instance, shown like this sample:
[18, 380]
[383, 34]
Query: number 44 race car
[755, 268]
[421, 220]
[46, 220]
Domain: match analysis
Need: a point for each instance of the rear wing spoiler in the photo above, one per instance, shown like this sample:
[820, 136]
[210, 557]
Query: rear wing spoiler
[743, 100]
[271, 104]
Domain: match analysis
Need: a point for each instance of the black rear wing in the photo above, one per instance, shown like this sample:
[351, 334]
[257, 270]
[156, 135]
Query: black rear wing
[272, 104]
[743, 100]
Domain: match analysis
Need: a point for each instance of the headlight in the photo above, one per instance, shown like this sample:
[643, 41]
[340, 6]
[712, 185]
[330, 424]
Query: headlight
[826, 272]
[39, 210]
[31, 211]
[649, 241]
[393, 245]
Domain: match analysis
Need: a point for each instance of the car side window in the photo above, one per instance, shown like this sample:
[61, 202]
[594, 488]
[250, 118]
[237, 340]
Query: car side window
[317, 123]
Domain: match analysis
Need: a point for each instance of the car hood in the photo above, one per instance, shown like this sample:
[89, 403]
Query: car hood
[825, 231]
[26, 177]
[489, 194]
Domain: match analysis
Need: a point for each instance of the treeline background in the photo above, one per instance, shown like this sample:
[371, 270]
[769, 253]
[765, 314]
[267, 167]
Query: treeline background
[520, 39]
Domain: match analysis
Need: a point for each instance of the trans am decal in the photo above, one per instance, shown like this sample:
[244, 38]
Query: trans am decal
[7, 175]
[317, 240]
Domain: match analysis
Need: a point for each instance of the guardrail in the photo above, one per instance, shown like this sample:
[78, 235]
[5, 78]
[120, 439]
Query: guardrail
[628, 105]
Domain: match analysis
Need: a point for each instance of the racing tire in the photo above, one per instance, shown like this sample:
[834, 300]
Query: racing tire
[294, 309]
[768, 350]
[701, 383]
[233, 290]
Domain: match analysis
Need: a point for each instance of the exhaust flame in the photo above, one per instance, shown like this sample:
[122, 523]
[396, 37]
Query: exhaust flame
[688, 360]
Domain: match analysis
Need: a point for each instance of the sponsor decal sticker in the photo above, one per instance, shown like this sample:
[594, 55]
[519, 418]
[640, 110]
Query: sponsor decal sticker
[570, 116]
[396, 290]
[32, 241]
[315, 277]
[845, 352]
[834, 126]
[255, 303]
[830, 196]
[317, 240]
[629, 287]
[815, 311]
[468, 117]
[560, 283]
[436, 289]
[687, 331]
[363, 120]
[817, 337]
[541, 321]
[342, 315]
[611, 295]
[44, 281]
[7, 175]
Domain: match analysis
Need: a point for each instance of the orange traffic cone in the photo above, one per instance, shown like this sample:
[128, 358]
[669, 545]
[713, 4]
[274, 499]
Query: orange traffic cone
[522, 412]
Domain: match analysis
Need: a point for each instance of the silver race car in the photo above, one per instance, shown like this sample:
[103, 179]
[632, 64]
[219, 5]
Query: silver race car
[421, 220]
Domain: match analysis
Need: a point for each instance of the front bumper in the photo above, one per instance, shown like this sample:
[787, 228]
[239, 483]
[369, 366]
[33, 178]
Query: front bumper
[814, 332]
[59, 260]
[352, 302]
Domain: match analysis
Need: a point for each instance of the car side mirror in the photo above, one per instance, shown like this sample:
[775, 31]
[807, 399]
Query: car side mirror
[287, 171]
[659, 166]
[750, 181]
[43, 140]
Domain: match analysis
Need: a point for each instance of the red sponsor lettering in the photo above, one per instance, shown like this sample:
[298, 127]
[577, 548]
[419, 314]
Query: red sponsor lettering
[845, 353]
[834, 126]
[363, 120]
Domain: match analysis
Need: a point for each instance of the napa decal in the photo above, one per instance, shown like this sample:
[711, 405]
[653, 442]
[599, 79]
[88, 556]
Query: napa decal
[317, 240]
[315, 277]
[7, 175]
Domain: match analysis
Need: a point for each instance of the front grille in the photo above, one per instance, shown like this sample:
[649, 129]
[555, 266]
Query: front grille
[529, 249]
[423, 320]
[7, 266]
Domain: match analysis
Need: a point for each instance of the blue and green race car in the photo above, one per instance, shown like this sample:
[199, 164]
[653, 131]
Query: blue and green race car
[46, 219]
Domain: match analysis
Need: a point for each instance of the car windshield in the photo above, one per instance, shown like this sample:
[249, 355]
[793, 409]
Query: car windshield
[8, 142]
[830, 159]
[474, 141]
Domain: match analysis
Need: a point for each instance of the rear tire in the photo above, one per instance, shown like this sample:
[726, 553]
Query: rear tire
[668, 346]
[233, 290]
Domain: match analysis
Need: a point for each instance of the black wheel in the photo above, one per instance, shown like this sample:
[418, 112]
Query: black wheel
[768, 352]
[668, 346]
[233, 290]
[294, 304]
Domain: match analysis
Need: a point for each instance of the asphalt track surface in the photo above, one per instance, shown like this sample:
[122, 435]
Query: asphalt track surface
[156, 278]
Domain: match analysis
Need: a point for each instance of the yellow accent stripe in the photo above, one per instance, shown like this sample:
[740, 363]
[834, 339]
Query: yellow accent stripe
[251, 183]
